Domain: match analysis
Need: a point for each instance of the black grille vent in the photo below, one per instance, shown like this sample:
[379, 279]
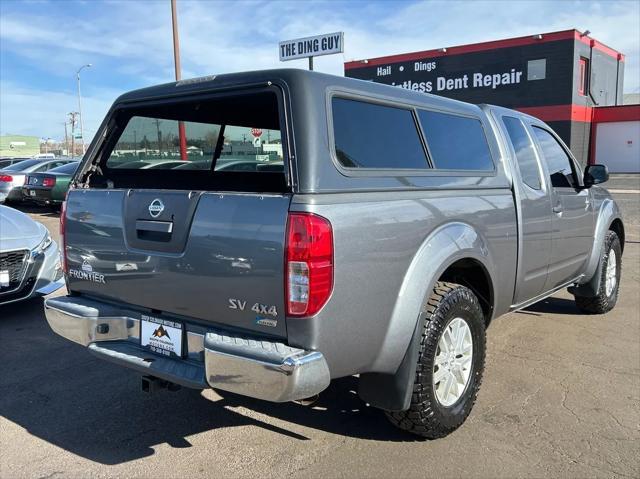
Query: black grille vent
[13, 264]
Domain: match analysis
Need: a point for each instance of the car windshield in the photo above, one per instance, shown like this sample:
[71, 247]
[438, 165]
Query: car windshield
[23, 165]
[68, 169]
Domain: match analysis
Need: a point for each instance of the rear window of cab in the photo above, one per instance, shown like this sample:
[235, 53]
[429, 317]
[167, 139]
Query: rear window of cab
[378, 136]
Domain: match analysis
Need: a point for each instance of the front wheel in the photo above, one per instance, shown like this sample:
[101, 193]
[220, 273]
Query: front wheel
[450, 363]
[610, 272]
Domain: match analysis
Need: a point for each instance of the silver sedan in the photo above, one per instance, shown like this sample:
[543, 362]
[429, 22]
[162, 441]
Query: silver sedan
[29, 258]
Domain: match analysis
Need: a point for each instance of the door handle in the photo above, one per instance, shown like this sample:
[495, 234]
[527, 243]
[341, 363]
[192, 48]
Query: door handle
[155, 226]
[557, 209]
[154, 230]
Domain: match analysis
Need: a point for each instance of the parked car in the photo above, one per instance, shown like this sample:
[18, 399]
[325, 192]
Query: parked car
[49, 188]
[12, 177]
[400, 226]
[150, 164]
[29, 258]
[4, 162]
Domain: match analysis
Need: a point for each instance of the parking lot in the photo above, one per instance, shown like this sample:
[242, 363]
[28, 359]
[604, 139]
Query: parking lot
[560, 398]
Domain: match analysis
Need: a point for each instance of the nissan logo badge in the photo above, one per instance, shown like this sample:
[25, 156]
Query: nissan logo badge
[156, 208]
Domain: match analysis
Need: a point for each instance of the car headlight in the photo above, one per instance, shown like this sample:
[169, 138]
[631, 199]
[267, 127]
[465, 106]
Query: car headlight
[44, 244]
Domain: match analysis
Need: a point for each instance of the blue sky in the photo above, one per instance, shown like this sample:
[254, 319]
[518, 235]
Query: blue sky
[42, 43]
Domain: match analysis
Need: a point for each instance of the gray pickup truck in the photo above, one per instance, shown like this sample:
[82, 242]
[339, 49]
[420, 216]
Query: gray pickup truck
[264, 233]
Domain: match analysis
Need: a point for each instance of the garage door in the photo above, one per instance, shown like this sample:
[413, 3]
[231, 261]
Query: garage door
[618, 146]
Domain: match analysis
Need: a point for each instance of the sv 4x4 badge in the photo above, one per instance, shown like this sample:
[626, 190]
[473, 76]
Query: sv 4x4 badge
[256, 308]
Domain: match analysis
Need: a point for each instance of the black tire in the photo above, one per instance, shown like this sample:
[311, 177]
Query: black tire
[426, 416]
[603, 302]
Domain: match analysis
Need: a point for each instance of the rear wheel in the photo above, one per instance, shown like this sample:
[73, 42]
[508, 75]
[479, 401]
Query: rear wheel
[450, 363]
[610, 271]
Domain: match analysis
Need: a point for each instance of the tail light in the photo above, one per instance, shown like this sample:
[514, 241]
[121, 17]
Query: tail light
[309, 254]
[63, 243]
[7, 178]
[49, 182]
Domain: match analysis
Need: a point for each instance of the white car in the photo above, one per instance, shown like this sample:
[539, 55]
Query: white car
[29, 258]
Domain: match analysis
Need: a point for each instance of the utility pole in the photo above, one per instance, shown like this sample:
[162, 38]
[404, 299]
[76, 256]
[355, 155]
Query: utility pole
[66, 138]
[73, 116]
[159, 134]
[80, 104]
[176, 59]
[135, 143]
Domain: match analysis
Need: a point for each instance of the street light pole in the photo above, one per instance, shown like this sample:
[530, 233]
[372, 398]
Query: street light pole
[80, 104]
[176, 59]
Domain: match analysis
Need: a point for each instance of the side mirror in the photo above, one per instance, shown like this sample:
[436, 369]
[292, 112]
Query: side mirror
[595, 174]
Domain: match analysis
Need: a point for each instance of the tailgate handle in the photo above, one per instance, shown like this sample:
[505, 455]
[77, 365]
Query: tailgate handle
[154, 226]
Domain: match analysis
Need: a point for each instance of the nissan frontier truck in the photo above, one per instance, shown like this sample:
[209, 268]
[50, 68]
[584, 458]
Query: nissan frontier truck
[267, 232]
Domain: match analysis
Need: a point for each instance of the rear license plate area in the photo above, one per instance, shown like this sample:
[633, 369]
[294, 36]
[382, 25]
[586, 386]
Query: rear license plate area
[162, 336]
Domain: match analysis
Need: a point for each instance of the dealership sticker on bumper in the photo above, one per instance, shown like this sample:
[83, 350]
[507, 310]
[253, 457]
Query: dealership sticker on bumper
[161, 336]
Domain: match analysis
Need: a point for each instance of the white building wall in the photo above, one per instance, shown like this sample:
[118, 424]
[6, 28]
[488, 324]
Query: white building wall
[618, 146]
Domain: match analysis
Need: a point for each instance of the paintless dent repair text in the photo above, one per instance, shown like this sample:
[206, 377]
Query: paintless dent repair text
[478, 80]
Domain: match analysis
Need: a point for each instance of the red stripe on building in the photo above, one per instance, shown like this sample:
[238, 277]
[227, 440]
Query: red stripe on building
[560, 112]
[596, 45]
[607, 114]
[485, 46]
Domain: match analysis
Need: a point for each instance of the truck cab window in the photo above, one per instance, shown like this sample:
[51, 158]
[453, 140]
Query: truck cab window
[557, 160]
[525, 152]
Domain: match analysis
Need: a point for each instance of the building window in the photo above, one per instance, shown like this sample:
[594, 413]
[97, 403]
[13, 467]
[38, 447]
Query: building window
[537, 69]
[583, 77]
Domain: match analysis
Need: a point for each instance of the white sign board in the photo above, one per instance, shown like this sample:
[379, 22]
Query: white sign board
[327, 44]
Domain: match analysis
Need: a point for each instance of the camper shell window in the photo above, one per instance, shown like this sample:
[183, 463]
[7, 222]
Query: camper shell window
[232, 142]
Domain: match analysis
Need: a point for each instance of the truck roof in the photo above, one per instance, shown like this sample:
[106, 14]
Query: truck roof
[308, 81]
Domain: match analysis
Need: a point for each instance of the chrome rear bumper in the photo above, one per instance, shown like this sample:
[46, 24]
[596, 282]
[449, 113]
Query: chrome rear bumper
[261, 369]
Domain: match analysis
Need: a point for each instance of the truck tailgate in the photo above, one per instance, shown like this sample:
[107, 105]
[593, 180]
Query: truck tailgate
[213, 257]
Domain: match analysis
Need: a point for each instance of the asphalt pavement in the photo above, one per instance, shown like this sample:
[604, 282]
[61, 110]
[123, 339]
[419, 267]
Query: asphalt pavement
[560, 398]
